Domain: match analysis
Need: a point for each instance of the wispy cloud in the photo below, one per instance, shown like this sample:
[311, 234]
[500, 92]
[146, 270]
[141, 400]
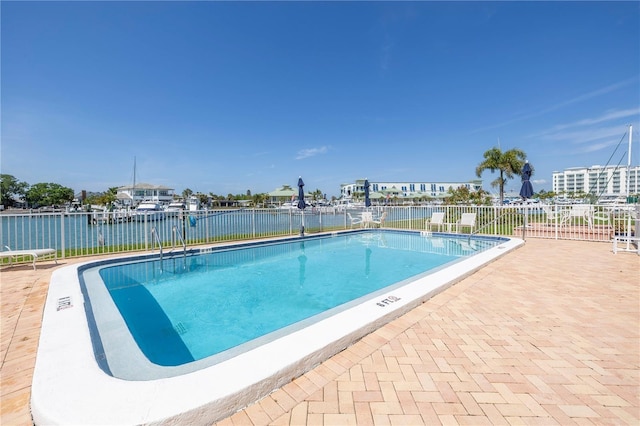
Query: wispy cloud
[607, 116]
[311, 152]
[392, 20]
[583, 136]
[593, 94]
[592, 134]
[385, 53]
[597, 146]
[581, 98]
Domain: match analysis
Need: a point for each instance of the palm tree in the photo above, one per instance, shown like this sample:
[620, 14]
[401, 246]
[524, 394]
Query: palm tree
[259, 200]
[203, 198]
[317, 195]
[508, 163]
[187, 193]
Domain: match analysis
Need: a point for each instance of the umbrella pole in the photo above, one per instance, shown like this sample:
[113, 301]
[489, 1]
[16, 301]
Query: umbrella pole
[302, 226]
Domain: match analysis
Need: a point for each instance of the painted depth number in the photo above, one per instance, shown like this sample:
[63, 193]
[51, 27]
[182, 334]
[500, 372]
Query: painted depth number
[389, 300]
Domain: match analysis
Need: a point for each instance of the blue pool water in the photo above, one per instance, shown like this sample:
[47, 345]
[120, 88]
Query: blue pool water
[185, 309]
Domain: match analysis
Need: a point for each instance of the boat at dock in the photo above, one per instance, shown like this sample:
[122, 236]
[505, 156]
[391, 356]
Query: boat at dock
[149, 211]
[176, 206]
[104, 216]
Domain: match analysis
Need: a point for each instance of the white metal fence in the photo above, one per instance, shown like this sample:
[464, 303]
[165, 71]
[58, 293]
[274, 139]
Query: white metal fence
[83, 234]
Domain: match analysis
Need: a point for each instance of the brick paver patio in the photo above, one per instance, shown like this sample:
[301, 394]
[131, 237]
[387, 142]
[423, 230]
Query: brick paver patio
[549, 334]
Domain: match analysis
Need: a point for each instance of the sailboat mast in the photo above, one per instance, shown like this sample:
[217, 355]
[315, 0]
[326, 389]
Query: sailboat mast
[629, 189]
[133, 189]
[629, 162]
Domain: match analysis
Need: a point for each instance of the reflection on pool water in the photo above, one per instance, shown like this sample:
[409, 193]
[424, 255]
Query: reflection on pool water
[186, 309]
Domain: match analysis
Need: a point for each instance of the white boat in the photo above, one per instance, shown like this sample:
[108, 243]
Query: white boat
[289, 205]
[193, 204]
[149, 211]
[348, 205]
[175, 209]
[176, 206]
[613, 200]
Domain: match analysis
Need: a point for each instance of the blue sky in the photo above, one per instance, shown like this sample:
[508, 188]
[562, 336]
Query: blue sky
[226, 97]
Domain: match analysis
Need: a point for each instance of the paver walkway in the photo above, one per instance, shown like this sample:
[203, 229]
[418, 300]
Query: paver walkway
[549, 334]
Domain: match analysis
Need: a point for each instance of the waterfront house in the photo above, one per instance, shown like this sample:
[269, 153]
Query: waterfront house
[132, 195]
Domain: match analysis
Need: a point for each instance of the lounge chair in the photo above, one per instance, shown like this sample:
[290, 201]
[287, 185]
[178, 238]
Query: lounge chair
[436, 218]
[35, 254]
[380, 220]
[468, 220]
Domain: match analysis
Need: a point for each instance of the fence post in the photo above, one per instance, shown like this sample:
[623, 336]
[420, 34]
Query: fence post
[628, 225]
[146, 233]
[62, 237]
[253, 222]
[526, 220]
[207, 231]
[556, 213]
[410, 217]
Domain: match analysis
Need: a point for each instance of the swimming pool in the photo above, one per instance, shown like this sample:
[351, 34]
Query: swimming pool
[92, 368]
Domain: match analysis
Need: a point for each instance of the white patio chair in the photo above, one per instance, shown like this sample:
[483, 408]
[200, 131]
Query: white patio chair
[553, 216]
[380, 220]
[581, 212]
[468, 220]
[367, 219]
[602, 217]
[436, 218]
[354, 220]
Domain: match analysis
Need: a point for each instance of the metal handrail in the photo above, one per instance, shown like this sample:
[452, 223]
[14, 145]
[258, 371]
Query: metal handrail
[179, 234]
[493, 222]
[155, 238]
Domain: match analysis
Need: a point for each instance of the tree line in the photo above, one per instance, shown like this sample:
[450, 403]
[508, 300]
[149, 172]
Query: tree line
[508, 164]
[15, 193]
[12, 191]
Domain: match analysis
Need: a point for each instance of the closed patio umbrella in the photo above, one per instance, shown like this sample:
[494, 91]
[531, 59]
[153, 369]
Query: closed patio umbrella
[526, 192]
[301, 203]
[367, 200]
[527, 189]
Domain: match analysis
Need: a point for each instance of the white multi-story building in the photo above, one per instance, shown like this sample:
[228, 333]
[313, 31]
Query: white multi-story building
[609, 181]
[133, 195]
[406, 189]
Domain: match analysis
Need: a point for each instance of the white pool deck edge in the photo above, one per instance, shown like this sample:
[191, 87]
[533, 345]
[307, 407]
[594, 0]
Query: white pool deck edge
[70, 388]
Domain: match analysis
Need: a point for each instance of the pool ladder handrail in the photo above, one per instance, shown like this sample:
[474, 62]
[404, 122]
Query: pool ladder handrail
[471, 234]
[179, 234]
[155, 238]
